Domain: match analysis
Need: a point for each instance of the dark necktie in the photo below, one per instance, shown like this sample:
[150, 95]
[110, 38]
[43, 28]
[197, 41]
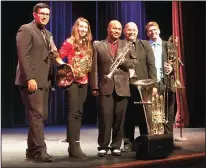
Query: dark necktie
[133, 46]
[47, 44]
[44, 36]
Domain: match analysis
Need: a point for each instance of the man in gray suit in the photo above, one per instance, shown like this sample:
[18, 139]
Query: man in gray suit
[144, 63]
[33, 78]
[112, 92]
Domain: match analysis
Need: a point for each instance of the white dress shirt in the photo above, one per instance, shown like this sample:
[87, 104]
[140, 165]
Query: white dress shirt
[157, 49]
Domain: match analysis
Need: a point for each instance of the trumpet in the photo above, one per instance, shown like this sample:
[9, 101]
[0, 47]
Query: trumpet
[119, 60]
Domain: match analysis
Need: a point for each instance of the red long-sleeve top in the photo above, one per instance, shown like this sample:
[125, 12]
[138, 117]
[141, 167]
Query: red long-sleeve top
[67, 50]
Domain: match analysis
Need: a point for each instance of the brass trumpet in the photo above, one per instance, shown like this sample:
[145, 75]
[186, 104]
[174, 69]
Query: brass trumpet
[118, 60]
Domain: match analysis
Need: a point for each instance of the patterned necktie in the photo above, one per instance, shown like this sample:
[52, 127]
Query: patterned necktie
[44, 36]
[47, 44]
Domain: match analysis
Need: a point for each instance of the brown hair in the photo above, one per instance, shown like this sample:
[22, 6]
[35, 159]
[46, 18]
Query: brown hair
[76, 39]
[39, 6]
[149, 24]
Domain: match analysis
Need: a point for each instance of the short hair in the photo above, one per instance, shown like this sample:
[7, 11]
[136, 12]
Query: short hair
[39, 6]
[149, 24]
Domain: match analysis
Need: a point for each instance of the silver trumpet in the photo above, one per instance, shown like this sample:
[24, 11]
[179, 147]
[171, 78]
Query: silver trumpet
[118, 60]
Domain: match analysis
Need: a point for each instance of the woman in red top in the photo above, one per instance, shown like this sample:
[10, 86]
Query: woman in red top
[78, 50]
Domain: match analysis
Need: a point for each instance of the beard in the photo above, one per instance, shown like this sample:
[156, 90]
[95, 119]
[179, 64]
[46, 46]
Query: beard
[40, 26]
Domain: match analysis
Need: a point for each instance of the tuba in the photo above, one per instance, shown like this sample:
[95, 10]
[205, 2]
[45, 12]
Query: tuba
[158, 114]
[154, 107]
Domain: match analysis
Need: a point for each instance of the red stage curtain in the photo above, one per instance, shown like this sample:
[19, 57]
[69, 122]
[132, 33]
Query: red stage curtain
[177, 28]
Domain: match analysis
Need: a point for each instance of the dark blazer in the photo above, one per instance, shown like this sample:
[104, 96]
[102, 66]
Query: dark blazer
[144, 61]
[171, 77]
[33, 52]
[102, 60]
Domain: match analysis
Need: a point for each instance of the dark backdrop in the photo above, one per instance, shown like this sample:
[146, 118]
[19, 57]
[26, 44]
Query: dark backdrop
[14, 14]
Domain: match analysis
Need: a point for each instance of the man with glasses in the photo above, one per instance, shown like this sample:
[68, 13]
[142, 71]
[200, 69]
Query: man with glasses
[160, 48]
[33, 78]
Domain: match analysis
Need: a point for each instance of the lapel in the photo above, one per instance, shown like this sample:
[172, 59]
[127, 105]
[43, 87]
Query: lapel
[138, 49]
[164, 52]
[107, 49]
[38, 31]
[119, 48]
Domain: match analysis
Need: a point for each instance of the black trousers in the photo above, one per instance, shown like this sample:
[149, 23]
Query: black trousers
[36, 106]
[77, 94]
[135, 114]
[111, 116]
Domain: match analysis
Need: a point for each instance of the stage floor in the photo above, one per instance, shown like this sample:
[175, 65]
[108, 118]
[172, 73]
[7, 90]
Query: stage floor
[14, 145]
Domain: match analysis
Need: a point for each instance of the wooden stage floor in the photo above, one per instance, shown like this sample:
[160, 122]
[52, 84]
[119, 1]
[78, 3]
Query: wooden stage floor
[14, 145]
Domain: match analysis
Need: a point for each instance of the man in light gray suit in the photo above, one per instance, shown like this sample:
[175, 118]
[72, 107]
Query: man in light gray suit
[33, 78]
[163, 63]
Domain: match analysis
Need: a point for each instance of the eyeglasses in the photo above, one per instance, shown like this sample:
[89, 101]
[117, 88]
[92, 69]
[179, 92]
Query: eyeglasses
[44, 14]
[152, 30]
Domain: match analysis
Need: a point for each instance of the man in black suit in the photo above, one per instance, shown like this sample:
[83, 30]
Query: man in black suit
[33, 79]
[143, 58]
[165, 73]
[112, 92]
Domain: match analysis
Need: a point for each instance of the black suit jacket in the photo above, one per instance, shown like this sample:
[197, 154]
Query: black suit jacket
[102, 60]
[33, 52]
[167, 79]
[144, 61]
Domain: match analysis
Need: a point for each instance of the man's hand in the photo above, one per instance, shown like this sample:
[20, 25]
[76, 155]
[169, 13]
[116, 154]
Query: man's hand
[168, 68]
[95, 92]
[154, 91]
[32, 85]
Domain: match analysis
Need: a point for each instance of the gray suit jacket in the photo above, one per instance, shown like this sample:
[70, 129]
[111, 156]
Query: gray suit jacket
[102, 60]
[33, 52]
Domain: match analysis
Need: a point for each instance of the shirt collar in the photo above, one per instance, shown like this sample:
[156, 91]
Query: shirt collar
[115, 42]
[158, 42]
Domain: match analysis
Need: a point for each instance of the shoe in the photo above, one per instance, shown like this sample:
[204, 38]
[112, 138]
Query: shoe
[43, 156]
[80, 150]
[126, 148]
[177, 147]
[30, 155]
[116, 152]
[102, 153]
[74, 152]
